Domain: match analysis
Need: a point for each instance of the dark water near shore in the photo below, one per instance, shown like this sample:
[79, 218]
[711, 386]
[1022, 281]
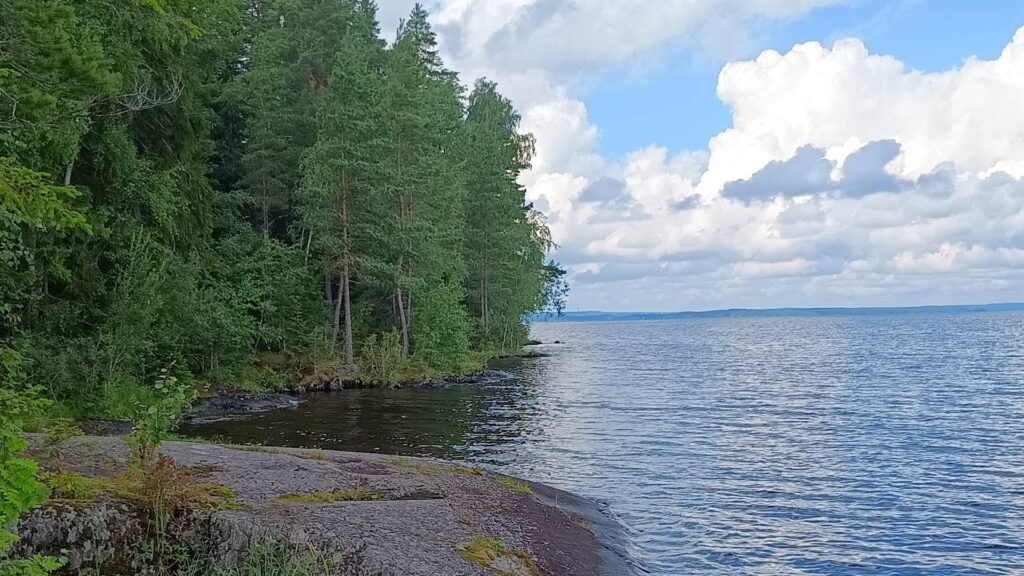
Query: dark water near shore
[849, 445]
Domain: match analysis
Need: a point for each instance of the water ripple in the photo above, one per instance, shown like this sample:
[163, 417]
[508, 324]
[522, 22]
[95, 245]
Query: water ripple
[871, 445]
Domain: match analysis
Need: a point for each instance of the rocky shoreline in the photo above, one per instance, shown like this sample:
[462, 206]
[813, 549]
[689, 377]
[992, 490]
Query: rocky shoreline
[371, 514]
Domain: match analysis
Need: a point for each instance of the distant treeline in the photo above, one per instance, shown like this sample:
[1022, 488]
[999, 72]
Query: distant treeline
[223, 186]
[593, 316]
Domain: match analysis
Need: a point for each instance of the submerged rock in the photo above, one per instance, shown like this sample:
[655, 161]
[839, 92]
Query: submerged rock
[484, 377]
[375, 514]
[232, 404]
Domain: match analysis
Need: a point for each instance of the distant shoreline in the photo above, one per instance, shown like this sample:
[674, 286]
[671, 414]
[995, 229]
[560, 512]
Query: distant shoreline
[596, 316]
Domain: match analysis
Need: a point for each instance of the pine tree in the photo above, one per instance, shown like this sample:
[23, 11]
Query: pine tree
[338, 203]
[423, 111]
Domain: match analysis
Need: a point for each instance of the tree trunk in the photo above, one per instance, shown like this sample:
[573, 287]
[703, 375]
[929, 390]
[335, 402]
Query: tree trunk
[67, 172]
[405, 323]
[409, 316]
[401, 312]
[345, 272]
[337, 311]
[349, 360]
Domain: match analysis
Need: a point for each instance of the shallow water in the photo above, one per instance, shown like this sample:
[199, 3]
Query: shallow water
[848, 445]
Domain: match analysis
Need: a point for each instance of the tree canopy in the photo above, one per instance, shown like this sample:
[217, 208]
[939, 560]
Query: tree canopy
[246, 191]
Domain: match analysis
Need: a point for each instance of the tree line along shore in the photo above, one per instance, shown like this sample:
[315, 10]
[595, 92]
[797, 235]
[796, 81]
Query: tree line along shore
[239, 194]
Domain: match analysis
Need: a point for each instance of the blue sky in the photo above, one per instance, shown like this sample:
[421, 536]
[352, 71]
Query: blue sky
[675, 104]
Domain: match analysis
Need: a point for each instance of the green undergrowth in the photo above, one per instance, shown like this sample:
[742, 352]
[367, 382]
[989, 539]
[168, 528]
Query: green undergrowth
[357, 494]
[254, 378]
[120, 398]
[265, 557]
[517, 486]
[493, 554]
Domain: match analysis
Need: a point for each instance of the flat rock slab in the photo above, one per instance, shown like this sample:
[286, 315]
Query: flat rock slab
[422, 513]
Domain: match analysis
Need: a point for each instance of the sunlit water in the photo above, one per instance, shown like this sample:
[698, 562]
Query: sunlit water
[851, 445]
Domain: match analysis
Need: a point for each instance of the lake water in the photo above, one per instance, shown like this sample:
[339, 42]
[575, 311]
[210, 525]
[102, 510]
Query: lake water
[844, 445]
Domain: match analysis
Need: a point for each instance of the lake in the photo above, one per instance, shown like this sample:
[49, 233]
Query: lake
[843, 445]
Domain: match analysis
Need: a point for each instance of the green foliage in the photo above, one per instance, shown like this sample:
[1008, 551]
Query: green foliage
[507, 239]
[35, 217]
[270, 292]
[37, 565]
[247, 378]
[20, 490]
[441, 328]
[380, 358]
[202, 185]
[155, 421]
[497, 556]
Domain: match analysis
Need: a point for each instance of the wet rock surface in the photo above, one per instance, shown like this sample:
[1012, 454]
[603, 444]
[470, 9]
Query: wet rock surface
[393, 515]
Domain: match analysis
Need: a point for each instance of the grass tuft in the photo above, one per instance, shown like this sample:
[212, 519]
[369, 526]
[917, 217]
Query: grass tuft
[163, 486]
[468, 471]
[328, 497]
[424, 469]
[255, 448]
[517, 486]
[315, 454]
[493, 554]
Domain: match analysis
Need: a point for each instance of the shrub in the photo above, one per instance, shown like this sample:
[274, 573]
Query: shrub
[441, 328]
[380, 358]
[155, 421]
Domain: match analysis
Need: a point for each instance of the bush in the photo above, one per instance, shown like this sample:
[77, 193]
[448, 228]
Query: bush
[441, 328]
[155, 420]
[380, 358]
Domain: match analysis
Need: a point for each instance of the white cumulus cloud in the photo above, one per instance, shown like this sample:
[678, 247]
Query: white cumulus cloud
[846, 177]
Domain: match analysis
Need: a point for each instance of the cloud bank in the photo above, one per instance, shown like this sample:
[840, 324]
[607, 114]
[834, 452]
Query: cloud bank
[845, 179]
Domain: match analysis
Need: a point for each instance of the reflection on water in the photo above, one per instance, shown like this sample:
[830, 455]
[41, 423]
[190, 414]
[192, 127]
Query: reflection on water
[885, 445]
[464, 422]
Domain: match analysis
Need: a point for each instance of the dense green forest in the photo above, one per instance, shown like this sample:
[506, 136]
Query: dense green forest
[244, 192]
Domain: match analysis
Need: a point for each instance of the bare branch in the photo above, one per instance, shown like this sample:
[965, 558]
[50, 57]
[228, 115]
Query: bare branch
[144, 96]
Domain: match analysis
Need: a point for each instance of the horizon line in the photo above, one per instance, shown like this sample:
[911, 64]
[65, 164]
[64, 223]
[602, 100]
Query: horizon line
[772, 309]
[995, 306]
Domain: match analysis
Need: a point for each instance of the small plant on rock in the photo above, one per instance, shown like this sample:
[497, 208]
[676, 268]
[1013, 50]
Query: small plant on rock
[167, 487]
[155, 422]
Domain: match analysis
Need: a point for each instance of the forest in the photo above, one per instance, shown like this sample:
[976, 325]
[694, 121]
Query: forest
[240, 193]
